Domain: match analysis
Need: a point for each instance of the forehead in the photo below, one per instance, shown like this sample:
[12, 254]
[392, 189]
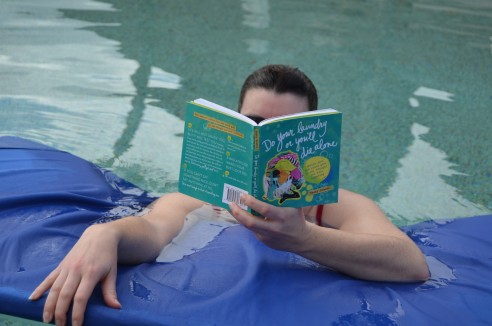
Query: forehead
[267, 104]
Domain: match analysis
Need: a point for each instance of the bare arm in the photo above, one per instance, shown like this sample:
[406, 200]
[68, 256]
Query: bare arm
[141, 239]
[94, 257]
[363, 243]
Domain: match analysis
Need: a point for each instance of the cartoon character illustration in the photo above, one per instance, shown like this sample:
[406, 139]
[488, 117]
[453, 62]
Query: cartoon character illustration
[283, 177]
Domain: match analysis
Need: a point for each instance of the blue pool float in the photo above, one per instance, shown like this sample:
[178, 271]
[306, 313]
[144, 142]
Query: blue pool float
[49, 197]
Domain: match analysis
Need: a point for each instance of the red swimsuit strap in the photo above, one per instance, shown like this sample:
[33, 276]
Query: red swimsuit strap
[319, 214]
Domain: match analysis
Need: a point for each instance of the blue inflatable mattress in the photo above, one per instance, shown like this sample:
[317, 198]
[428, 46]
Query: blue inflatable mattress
[48, 197]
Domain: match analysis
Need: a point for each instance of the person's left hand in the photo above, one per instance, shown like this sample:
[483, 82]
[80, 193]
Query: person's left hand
[281, 228]
[93, 259]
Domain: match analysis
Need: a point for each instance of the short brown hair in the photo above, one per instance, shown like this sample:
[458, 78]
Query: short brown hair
[281, 79]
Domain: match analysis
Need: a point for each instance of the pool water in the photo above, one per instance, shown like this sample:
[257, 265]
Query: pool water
[108, 81]
[6, 320]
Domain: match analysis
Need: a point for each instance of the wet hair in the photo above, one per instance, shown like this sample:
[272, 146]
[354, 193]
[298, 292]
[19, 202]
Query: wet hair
[281, 79]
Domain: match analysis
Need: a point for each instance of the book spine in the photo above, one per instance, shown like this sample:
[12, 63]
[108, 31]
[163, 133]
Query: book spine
[256, 155]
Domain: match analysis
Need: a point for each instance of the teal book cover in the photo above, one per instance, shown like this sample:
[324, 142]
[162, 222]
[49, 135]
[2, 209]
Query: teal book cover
[298, 160]
[216, 157]
[290, 161]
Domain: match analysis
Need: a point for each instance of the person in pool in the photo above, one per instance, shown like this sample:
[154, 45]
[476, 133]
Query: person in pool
[352, 236]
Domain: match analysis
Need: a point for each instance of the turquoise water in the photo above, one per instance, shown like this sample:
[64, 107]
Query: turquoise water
[108, 81]
[16, 321]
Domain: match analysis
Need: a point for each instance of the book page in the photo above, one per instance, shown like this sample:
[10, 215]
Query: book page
[299, 114]
[223, 109]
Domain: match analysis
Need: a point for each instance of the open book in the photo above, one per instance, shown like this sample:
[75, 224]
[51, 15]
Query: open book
[290, 161]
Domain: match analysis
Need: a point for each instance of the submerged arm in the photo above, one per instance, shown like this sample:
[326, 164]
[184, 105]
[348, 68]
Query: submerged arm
[363, 243]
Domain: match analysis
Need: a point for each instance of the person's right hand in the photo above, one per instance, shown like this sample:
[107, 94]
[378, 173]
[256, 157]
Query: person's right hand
[93, 259]
[281, 228]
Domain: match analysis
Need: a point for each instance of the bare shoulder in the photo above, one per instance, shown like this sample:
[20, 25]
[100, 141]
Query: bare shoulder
[357, 213]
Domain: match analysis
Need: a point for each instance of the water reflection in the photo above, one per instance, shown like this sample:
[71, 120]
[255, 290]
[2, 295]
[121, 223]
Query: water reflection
[420, 192]
[144, 78]
[64, 86]
[256, 16]
[257, 13]
[134, 117]
[10, 62]
[366, 316]
[430, 93]
[162, 79]
[473, 8]
[118, 74]
[79, 94]
[440, 274]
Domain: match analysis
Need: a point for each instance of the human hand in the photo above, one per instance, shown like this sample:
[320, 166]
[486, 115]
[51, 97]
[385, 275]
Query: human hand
[93, 259]
[282, 228]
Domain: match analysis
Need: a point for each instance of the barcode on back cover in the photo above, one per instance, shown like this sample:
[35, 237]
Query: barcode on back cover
[233, 194]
